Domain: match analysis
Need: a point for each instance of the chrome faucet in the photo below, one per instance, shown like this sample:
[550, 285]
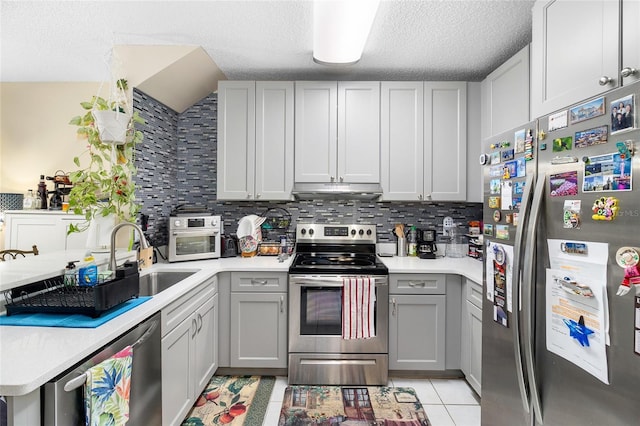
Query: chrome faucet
[112, 258]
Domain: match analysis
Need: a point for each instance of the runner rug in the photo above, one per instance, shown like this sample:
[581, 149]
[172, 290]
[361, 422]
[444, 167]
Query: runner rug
[232, 400]
[351, 405]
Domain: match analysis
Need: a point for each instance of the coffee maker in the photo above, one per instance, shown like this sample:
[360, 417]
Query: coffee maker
[62, 188]
[427, 244]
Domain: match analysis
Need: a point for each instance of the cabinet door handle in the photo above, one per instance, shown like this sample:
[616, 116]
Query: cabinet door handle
[627, 71]
[341, 178]
[416, 283]
[419, 196]
[604, 80]
[258, 282]
[194, 326]
[333, 178]
[200, 321]
[258, 195]
[281, 304]
[393, 310]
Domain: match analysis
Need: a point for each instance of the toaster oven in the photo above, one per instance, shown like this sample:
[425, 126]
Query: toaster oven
[194, 237]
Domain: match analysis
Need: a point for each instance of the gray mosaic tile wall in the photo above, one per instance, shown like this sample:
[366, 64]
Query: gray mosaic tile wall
[156, 164]
[181, 169]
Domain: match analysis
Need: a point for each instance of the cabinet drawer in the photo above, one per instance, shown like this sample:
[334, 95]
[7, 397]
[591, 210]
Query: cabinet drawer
[474, 293]
[185, 305]
[258, 281]
[417, 283]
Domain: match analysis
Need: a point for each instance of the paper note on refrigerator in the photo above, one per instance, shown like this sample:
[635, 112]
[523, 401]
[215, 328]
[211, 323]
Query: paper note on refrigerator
[577, 316]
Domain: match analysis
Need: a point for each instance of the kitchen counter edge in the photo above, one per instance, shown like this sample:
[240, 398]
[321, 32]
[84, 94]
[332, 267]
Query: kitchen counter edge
[23, 368]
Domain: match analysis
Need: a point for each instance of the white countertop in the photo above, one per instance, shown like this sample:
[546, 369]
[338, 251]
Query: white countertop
[465, 266]
[31, 356]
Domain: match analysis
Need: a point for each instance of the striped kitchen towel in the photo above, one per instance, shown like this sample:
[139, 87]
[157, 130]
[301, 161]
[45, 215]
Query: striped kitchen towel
[358, 307]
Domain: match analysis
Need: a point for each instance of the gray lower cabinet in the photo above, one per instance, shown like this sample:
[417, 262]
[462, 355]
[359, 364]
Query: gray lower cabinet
[417, 316]
[189, 349]
[472, 334]
[258, 320]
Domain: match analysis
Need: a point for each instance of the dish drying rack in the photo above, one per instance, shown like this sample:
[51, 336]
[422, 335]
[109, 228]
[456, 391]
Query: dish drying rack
[277, 224]
[59, 296]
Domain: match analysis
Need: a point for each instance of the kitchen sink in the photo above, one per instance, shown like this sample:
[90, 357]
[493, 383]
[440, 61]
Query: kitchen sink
[157, 281]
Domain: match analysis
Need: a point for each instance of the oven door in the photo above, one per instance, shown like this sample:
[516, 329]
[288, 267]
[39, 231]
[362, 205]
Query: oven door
[315, 316]
[194, 245]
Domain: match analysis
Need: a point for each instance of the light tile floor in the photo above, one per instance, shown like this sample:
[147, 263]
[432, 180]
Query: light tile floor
[447, 402]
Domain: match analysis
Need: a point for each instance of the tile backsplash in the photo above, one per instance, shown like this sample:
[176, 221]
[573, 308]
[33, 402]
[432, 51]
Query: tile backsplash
[177, 165]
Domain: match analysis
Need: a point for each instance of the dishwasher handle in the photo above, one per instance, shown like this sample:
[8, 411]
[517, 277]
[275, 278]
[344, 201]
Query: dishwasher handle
[76, 382]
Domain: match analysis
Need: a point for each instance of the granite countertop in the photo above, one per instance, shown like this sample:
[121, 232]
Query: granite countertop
[31, 356]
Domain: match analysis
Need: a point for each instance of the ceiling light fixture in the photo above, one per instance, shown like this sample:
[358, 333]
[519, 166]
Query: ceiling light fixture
[340, 30]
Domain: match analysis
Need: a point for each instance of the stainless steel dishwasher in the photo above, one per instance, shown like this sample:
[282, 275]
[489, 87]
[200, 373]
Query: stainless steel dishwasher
[63, 397]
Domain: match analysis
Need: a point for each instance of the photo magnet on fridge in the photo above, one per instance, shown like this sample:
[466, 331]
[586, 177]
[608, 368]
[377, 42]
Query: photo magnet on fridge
[495, 158]
[623, 114]
[494, 202]
[595, 136]
[488, 229]
[519, 137]
[562, 144]
[558, 121]
[507, 154]
[591, 109]
[563, 184]
[607, 172]
[494, 186]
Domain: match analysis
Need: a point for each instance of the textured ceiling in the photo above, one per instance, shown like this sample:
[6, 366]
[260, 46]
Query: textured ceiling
[260, 40]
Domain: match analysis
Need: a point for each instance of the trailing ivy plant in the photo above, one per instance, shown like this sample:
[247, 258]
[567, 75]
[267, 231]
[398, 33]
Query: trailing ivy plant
[105, 185]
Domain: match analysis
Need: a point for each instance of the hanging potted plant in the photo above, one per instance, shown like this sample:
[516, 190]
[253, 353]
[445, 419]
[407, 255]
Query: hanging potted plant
[104, 187]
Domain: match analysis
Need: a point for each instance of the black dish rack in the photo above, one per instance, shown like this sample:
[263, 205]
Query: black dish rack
[54, 296]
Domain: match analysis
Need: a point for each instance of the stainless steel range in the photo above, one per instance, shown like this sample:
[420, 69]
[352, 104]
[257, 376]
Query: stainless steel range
[329, 258]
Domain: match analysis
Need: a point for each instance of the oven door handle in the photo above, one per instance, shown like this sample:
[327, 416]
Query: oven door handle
[318, 281]
[191, 233]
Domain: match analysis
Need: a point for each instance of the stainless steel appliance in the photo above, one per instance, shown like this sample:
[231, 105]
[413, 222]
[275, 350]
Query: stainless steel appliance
[63, 397]
[427, 244]
[524, 379]
[325, 254]
[194, 236]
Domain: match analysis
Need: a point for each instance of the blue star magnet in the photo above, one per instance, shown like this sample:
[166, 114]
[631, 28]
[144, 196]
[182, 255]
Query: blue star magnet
[579, 331]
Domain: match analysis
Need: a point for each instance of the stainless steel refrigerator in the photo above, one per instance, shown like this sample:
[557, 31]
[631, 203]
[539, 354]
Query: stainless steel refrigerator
[578, 189]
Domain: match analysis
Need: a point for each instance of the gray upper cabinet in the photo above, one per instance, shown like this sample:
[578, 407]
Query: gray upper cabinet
[337, 132]
[255, 140]
[274, 140]
[574, 52]
[402, 140]
[424, 141]
[505, 95]
[445, 141]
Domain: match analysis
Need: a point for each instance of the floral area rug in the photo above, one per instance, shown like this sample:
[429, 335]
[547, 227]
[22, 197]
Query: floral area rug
[232, 400]
[351, 405]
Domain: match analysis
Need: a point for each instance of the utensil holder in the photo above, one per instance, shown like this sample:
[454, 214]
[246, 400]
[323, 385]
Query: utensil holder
[401, 247]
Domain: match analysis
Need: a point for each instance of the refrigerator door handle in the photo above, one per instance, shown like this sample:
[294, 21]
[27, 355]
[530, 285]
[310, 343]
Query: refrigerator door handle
[528, 293]
[519, 246]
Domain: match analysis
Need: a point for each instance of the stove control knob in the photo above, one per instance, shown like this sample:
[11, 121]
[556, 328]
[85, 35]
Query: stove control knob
[177, 222]
[310, 231]
[361, 232]
[303, 231]
[369, 232]
[353, 232]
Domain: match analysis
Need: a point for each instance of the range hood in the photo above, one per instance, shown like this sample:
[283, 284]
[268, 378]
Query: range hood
[337, 191]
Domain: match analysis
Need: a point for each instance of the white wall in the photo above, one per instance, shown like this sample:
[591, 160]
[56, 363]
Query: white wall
[35, 135]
